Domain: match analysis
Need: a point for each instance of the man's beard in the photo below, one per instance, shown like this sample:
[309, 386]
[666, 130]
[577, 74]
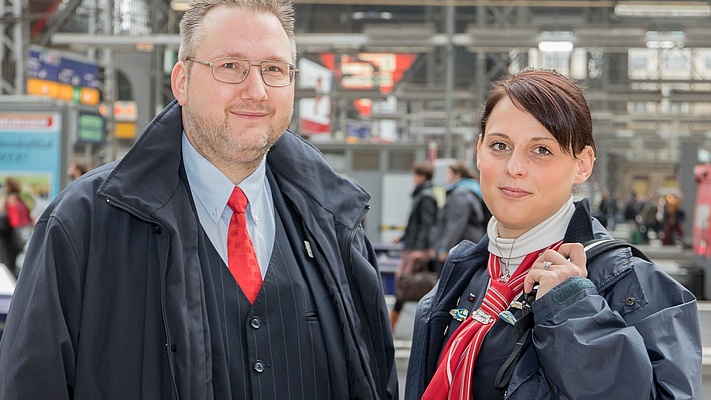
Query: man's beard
[215, 140]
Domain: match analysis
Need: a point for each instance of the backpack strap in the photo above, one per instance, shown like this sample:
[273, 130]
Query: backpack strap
[595, 247]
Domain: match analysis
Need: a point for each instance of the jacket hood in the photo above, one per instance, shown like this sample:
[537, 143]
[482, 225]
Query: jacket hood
[148, 175]
[466, 183]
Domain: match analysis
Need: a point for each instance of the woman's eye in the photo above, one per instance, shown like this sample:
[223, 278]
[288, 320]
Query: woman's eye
[499, 146]
[543, 151]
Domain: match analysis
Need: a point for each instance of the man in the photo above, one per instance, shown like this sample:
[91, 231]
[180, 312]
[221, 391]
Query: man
[132, 288]
[76, 169]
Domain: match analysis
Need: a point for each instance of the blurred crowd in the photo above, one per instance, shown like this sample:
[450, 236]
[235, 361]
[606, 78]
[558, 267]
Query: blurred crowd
[651, 217]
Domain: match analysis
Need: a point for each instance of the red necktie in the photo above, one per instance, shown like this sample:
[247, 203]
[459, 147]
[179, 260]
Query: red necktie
[453, 378]
[241, 258]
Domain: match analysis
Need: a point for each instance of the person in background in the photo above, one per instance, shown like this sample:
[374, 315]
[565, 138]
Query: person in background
[220, 258]
[631, 207]
[464, 215]
[77, 168]
[648, 217]
[15, 228]
[604, 209]
[613, 327]
[673, 218]
[418, 240]
[615, 207]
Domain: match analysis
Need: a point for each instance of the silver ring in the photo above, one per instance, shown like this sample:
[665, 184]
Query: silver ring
[546, 265]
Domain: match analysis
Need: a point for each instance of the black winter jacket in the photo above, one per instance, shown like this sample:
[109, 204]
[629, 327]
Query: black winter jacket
[628, 331]
[420, 232]
[111, 303]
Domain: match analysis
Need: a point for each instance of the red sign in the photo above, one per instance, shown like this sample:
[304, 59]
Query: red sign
[370, 70]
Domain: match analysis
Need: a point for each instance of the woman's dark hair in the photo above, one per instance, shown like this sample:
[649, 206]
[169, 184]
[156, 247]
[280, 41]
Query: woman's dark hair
[552, 99]
[462, 170]
[424, 169]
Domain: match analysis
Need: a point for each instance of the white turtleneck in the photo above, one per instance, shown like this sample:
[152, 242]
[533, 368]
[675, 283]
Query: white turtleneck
[513, 251]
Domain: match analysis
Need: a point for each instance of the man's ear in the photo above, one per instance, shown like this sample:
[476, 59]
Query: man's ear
[179, 82]
[586, 162]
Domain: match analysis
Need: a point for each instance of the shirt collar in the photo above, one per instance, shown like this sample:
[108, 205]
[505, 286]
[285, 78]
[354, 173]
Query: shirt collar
[212, 188]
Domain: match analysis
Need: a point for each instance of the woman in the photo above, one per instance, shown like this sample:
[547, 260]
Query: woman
[615, 328]
[463, 215]
[18, 221]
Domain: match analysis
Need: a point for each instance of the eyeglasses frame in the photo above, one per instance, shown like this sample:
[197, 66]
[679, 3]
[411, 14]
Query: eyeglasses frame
[251, 64]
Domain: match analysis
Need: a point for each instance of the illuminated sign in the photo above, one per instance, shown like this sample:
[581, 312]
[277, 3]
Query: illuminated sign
[62, 76]
[370, 70]
[90, 127]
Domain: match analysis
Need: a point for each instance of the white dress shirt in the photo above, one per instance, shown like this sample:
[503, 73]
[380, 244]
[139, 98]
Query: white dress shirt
[211, 189]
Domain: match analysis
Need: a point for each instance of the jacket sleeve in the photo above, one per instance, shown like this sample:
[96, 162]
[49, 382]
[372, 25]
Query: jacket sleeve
[37, 350]
[650, 348]
[416, 369]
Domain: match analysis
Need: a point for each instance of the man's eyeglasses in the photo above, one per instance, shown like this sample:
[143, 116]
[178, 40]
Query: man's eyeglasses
[235, 70]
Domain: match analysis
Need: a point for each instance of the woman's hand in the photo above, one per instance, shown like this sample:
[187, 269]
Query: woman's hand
[553, 267]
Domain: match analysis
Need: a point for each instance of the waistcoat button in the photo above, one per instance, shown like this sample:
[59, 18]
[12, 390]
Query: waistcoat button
[259, 366]
[256, 323]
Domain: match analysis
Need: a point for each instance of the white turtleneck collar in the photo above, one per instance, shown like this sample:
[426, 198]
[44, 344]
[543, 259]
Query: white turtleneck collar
[540, 236]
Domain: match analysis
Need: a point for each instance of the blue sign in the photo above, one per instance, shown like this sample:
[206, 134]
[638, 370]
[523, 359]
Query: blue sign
[30, 150]
[50, 65]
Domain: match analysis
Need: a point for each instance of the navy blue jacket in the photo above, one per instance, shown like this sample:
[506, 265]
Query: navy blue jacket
[110, 303]
[628, 331]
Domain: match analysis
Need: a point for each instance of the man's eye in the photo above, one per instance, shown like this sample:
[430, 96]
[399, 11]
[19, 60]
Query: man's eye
[274, 68]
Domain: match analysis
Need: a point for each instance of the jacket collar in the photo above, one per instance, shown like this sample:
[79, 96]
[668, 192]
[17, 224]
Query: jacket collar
[422, 186]
[582, 228]
[302, 172]
[148, 175]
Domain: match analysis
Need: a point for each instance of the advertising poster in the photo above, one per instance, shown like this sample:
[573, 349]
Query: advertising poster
[315, 113]
[30, 151]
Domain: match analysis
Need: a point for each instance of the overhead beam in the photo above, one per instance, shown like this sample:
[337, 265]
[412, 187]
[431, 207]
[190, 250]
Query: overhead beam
[470, 3]
[85, 40]
[476, 39]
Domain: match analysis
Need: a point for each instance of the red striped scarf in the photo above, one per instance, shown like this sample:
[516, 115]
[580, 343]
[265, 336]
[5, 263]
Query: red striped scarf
[453, 378]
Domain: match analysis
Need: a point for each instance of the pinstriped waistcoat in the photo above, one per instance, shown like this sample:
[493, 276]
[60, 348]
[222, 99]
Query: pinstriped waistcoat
[273, 349]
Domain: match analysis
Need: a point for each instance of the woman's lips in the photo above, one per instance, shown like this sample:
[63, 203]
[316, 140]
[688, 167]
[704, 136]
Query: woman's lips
[514, 192]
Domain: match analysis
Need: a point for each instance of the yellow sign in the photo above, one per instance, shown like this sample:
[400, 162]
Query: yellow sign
[62, 91]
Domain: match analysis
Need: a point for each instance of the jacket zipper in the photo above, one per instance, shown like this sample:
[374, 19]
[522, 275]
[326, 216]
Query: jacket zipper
[129, 210]
[361, 306]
